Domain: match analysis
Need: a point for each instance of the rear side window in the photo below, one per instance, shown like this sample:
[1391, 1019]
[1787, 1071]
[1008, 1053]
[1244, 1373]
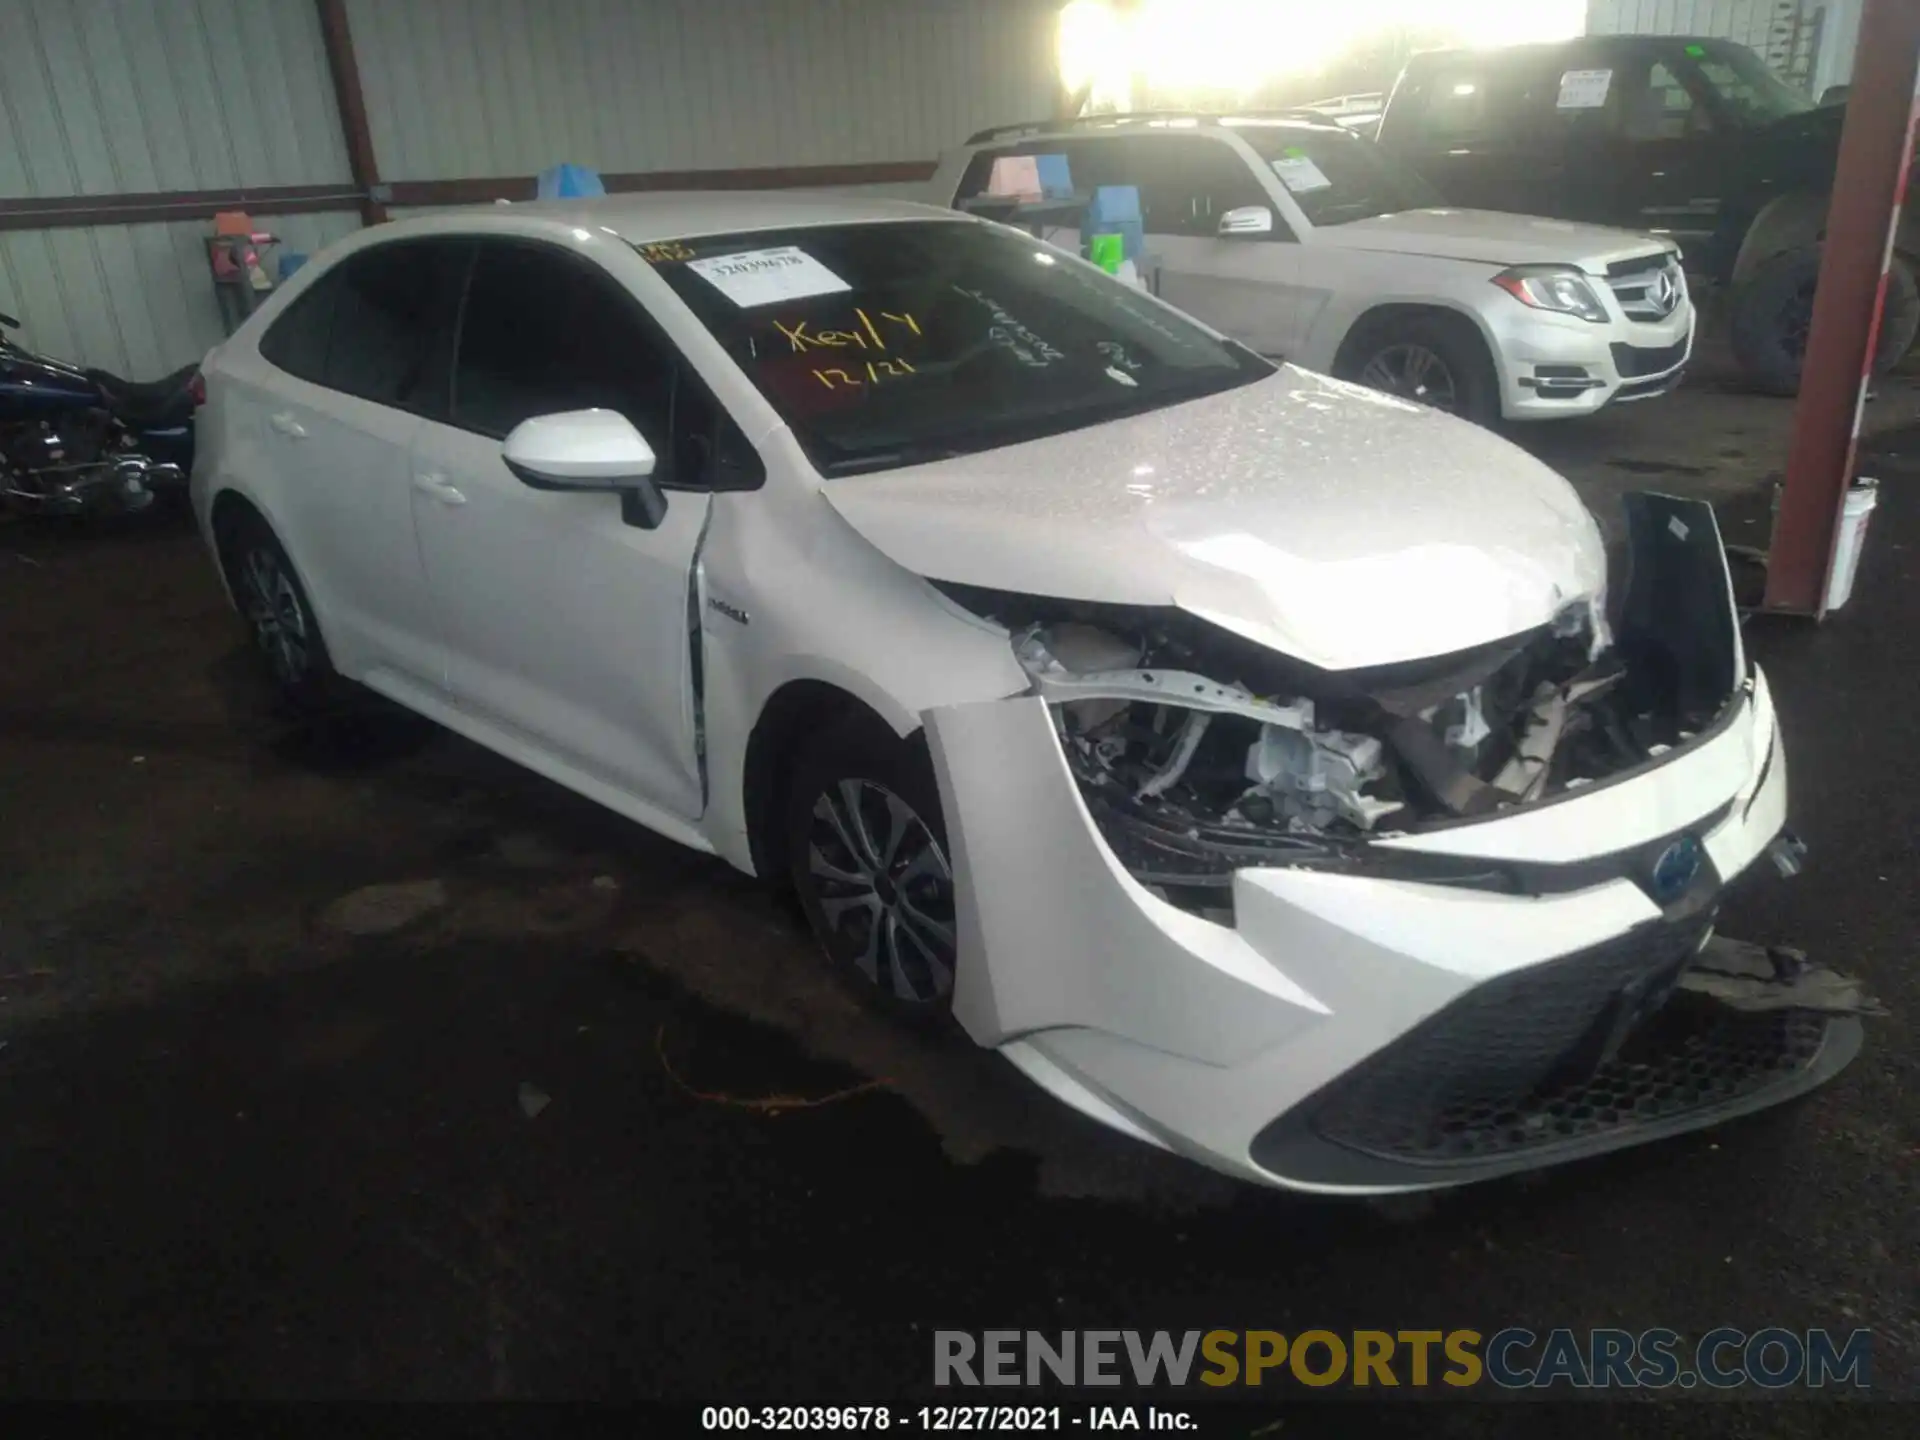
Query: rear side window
[297, 341]
[379, 325]
[1089, 165]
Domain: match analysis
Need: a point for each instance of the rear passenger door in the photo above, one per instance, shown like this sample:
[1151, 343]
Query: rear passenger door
[366, 354]
[566, 629]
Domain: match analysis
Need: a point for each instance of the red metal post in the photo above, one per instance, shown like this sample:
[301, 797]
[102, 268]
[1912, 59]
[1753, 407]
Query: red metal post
[337, 35]
[1876, 153]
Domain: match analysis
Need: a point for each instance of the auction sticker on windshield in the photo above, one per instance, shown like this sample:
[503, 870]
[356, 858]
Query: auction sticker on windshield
[1584, 89]
[764, 277]
[1299, 174]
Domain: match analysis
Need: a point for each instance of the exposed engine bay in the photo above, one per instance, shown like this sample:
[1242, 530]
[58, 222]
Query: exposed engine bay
[1199, 751]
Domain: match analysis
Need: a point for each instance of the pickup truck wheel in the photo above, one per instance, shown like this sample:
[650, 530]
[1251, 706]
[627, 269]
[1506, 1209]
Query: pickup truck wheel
[1430, 360]
[867, 854]
[1772, 315]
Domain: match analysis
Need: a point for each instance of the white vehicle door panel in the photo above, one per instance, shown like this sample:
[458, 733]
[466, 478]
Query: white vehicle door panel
[337, 385]
[341, 467]
[1248, 289]
[1245, 287]
[562, 621]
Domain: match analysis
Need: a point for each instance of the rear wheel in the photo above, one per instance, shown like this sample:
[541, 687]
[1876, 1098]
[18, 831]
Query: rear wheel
[1772, 318]
[1433, 360]
[867, 854]
[276, 609]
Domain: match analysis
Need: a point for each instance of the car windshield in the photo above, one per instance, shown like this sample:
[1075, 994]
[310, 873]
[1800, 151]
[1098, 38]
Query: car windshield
[1748, 91]
[883, 345]
[1335, 177]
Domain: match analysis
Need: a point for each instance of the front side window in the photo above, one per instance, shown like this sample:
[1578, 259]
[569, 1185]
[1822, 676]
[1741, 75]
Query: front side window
[888, 344]
[1186, 183]
[1335, 177]
[544, 331]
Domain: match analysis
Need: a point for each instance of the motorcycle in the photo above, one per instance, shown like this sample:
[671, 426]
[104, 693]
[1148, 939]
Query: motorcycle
[76, 440]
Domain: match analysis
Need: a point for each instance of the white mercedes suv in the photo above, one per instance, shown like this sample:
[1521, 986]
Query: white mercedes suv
[1308, 243]
[1253, 759]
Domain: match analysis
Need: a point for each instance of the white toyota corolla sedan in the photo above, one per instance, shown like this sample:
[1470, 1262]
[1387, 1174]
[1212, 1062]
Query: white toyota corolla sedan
[1256, 761]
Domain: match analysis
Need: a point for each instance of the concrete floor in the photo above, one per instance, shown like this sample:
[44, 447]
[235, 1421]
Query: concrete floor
[249, 1152]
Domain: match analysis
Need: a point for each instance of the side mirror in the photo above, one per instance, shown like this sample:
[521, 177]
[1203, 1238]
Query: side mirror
[596, 450]
[1246, 220]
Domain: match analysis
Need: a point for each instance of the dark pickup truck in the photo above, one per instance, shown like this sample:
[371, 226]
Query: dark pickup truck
[1683, 136]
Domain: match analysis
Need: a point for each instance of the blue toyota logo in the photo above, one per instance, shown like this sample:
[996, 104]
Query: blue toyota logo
[1673, 872]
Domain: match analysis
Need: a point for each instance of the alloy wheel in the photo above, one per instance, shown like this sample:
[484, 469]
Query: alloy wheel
[1414, 372]
[884, 889]
[278, 618]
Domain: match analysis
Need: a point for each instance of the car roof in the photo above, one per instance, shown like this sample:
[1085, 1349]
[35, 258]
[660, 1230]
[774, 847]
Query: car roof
[1152, 122]
[1547, 47]
[675, 214]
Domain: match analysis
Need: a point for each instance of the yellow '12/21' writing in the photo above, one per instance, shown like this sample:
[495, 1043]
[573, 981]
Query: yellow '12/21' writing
[866, 337]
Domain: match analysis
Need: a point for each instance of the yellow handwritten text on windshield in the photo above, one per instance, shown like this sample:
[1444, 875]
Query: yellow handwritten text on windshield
[867, 335]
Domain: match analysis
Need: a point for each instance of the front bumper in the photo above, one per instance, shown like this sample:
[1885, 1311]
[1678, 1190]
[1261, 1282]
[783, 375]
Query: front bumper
[1557, 366]
[1229, 1043]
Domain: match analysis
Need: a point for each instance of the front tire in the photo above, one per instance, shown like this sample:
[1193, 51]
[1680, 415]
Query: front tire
[867, 855]
[275, 606]
[1433, 360]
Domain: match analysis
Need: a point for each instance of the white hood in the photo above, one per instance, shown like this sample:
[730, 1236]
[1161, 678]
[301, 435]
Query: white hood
[1491, 236]
[1339, 526]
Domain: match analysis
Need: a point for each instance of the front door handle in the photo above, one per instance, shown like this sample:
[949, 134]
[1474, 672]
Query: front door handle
[288, 426]
[440, 488]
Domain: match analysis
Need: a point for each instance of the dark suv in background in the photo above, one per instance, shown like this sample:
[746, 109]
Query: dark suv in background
[1682, 136]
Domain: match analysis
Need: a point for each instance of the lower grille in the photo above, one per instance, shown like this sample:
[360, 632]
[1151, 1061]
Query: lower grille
[1575, 1056]
[1633, 361]
[1696, 1055]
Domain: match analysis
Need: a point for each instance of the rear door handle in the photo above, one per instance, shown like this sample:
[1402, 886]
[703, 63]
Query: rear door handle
[288, 426]
[440, 488]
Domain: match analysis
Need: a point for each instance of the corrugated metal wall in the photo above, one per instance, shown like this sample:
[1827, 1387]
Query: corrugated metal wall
[132, 298]
[1748, 21]
[1761, 24]
[99, 97]
[115, 96]
[508, 87]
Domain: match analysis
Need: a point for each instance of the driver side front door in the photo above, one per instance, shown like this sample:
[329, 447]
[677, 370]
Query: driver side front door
[566, 628]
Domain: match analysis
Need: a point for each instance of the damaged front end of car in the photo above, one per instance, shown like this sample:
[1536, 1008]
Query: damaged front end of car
[1199, 752]
[1389, 928]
